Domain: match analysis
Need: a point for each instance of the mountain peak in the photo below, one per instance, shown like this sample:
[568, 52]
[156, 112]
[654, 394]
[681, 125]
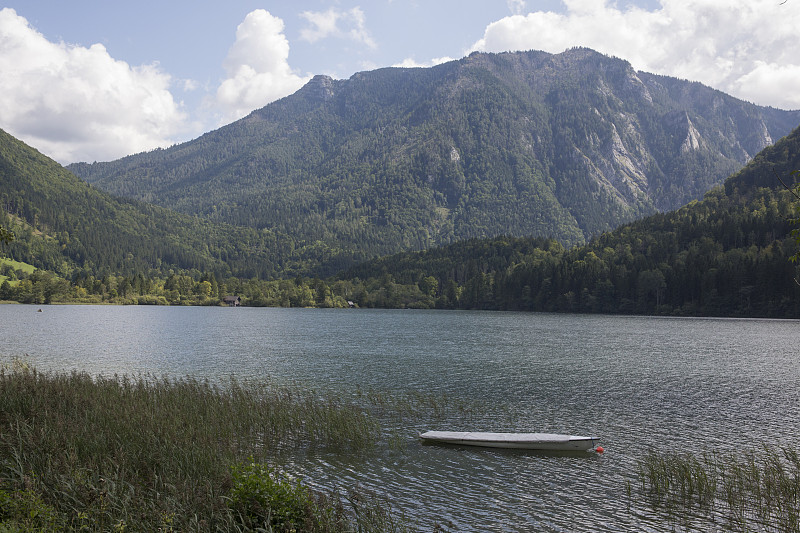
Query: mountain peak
[319, 87]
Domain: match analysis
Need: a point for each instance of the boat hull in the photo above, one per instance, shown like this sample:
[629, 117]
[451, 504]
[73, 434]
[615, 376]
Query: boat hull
[520, 441]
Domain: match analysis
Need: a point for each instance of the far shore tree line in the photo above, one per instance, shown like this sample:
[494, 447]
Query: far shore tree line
[503, 274]
[733, 254]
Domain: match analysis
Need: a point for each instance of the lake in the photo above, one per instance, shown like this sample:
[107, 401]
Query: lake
[640, 383]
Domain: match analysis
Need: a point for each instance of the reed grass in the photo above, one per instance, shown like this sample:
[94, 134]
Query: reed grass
[156, 454]
[758, 490]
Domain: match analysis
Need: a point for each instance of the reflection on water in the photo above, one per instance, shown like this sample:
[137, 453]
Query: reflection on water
[639, 383]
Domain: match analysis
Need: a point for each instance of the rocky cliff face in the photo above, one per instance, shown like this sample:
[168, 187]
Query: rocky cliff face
[320, 87]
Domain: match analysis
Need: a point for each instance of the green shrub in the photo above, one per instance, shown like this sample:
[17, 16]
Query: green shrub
[24, 510]
[265, 497]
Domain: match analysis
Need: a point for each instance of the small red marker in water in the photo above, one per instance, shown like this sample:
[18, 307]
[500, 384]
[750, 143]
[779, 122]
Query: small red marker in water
[599, 449]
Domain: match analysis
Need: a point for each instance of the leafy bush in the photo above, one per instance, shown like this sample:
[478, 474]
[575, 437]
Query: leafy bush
[24, 510]
[265, 497]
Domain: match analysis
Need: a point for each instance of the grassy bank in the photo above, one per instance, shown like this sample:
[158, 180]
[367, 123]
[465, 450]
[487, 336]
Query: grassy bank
[9, 267]
[148, 454]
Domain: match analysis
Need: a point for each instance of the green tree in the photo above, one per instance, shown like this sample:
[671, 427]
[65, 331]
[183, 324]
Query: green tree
[6, 236]
[651, 284]
[796, 232]
[204, 289]
[429, 286]
[6, 291]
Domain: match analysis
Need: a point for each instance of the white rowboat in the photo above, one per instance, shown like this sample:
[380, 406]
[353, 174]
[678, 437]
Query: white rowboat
[523, 441]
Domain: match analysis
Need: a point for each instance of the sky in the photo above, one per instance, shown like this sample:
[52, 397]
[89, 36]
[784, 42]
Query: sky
[93, 80]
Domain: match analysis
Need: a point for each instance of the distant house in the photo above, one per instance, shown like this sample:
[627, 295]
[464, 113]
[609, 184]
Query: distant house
[232, 301]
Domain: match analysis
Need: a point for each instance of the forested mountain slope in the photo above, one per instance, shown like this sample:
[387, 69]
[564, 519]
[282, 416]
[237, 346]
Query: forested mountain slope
[64, 225]
[727, 255]
[523, 144]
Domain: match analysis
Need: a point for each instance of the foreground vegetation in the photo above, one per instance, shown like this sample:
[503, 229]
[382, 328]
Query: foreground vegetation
[144, 454]
[121, 454]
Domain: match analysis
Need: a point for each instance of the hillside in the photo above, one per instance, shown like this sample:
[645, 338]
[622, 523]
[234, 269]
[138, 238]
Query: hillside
[727, 255]
[522, 144]
[66, 226]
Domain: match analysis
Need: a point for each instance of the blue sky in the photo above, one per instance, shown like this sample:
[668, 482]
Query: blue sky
[90, 80]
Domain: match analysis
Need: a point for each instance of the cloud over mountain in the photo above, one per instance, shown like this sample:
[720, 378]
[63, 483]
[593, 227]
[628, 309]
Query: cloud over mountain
[745, 48]
[257, 66]
[350, 24]
[87, 101]
[77, 103]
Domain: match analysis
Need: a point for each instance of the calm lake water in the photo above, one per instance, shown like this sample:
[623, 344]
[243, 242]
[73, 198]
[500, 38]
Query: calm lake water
[640, 383]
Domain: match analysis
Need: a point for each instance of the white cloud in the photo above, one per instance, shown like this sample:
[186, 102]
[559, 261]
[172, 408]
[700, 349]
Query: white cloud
[323, 24]
[189, 85]
[743, 47]
[516, 6]
[75, 103]
[349, 24]
[257, 67]
[412, 63]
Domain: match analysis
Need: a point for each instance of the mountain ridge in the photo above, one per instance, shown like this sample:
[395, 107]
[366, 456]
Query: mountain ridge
[526, 143]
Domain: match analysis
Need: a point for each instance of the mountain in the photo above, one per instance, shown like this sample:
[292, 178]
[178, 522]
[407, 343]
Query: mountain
[726, 255]
[66, 226]
[523, 144]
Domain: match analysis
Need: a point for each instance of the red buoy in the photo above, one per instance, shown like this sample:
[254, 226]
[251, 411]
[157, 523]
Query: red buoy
[599, 449]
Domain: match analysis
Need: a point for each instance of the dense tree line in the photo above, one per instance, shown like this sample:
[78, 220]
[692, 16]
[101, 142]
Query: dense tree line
[710, 259]
[185, 288]
[724, 256]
